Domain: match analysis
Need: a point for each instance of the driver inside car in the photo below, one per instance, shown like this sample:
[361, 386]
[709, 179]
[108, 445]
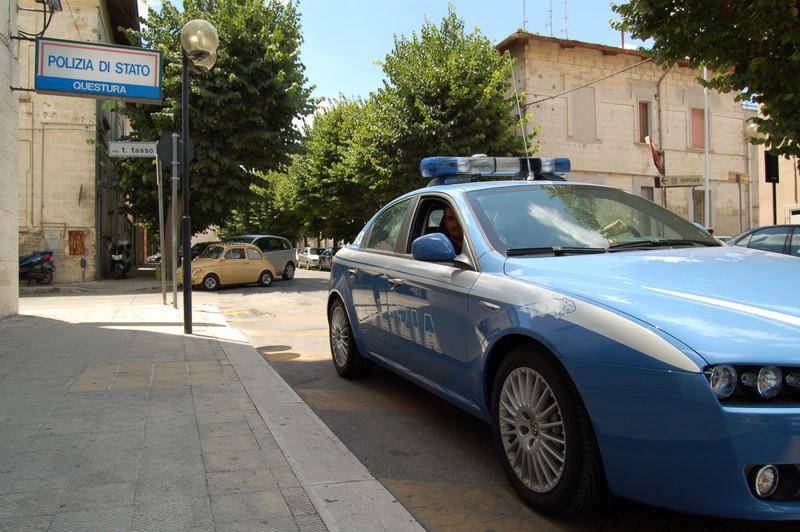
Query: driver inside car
[450, 227]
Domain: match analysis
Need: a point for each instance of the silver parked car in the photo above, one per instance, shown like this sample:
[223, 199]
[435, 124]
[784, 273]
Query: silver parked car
[278, 250]
[309, 257]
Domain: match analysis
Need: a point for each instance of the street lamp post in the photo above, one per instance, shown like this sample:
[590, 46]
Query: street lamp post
[199, 41]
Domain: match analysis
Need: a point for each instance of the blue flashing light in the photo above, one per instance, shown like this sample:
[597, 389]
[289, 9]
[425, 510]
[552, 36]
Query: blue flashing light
[444, 170]
[551, 165]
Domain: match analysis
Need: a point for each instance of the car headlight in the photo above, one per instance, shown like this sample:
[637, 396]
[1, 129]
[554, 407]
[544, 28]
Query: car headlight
[723, 381]
[751, 384]
[769, 382]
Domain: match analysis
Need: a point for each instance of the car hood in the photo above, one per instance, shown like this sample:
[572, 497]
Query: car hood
[729, 304]
[204, 263]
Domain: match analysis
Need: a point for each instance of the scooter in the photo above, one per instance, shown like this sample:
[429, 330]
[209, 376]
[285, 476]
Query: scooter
[120, 258]
[38, 266]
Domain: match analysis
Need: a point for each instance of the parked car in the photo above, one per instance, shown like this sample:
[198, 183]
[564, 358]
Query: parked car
[776, 238]
[309, 257]
[224, 263]
[612, 346]
[326, 258]
[279, 251]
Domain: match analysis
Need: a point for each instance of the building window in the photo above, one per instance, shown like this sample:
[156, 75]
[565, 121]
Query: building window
[698, 129]
[644, 121]
[647, 193]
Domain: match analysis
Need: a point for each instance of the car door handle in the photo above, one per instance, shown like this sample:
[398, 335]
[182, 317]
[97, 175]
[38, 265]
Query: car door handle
[352, 270]
[489, 306]
[395, 282]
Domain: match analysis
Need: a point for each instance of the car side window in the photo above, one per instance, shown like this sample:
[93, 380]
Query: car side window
[744, 240]
[253, 254]
[769, 239]
[794, 245]
[235, 253]
[275, 245]
[285, 244]
[386, 229]
[262, 244]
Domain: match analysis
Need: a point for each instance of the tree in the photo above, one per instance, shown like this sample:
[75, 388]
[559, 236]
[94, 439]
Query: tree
[335, 199]
[753, 47]
[241, 112]
[447, 92]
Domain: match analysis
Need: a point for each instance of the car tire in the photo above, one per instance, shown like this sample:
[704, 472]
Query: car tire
[210, 282]
[555, 478]
[288, 272]
[265, 279]
[347, 360]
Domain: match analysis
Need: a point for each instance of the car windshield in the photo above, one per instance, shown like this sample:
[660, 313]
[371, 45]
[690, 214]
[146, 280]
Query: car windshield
[577, 216]
[315, 251]
[212, 252]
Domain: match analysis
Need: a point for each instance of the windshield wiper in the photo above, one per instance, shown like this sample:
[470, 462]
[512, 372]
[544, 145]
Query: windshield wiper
[657, 243]
[555, 250]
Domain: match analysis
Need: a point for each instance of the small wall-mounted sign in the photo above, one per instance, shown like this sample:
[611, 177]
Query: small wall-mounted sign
[98, 70]
[680, 181]
[118, 148]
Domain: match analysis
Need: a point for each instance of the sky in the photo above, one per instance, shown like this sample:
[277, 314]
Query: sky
[344, 38]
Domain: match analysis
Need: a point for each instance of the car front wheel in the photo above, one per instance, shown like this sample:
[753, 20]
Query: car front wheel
[210, 282]
[346, 359]
[544, 437]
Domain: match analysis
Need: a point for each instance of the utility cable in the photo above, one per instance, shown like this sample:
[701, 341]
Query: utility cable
[74, 22]
[540, 100]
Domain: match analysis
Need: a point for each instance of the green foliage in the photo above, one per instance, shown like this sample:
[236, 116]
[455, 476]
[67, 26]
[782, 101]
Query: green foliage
[752, 46]
[241, 112]
[447, 92]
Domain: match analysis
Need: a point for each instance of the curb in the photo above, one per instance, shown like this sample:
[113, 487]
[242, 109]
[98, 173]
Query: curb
[67, 289]
[345, 494]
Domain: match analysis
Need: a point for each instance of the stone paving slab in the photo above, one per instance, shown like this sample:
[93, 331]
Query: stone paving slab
[112, 419]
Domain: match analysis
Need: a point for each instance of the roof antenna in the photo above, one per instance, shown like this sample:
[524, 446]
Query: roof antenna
[566, 20]
[550, 17]
[524, 17]
[521, 121]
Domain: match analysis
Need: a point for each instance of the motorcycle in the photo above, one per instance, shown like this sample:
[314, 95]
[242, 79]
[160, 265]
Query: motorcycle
[38, 266]
[120, 252]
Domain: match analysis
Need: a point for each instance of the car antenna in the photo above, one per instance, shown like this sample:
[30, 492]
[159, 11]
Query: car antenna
[521, 121]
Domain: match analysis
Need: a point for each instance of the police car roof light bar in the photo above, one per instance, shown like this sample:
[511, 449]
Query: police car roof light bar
[451, 170]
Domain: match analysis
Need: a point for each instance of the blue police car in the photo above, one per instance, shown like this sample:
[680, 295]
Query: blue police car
[614, 347]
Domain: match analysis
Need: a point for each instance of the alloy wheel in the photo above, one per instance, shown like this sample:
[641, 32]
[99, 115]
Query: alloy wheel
[532, 430]
[340, 336]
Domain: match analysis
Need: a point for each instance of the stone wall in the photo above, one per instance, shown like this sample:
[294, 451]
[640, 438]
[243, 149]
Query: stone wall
[9, 174]
[58, 169]
[598, 126]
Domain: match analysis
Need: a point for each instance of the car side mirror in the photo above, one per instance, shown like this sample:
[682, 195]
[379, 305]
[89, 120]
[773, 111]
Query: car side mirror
[434, 247]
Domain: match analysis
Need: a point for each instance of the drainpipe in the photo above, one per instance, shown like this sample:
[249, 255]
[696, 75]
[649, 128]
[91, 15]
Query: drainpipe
[661, 132]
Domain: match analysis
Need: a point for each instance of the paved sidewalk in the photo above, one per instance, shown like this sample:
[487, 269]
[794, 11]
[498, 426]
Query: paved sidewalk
[141, 279]
[111, 419]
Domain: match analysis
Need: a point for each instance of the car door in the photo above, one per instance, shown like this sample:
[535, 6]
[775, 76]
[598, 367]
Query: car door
[272, 249]
[366, 269]
[256, 265]
[770, 239]
[429, 308]
[235, 267]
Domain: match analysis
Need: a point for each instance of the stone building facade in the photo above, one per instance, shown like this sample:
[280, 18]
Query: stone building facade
[602, 126]
[66, 202]
[8, 161]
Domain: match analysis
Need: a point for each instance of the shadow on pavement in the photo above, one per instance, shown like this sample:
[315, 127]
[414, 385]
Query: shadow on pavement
[440, 462]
